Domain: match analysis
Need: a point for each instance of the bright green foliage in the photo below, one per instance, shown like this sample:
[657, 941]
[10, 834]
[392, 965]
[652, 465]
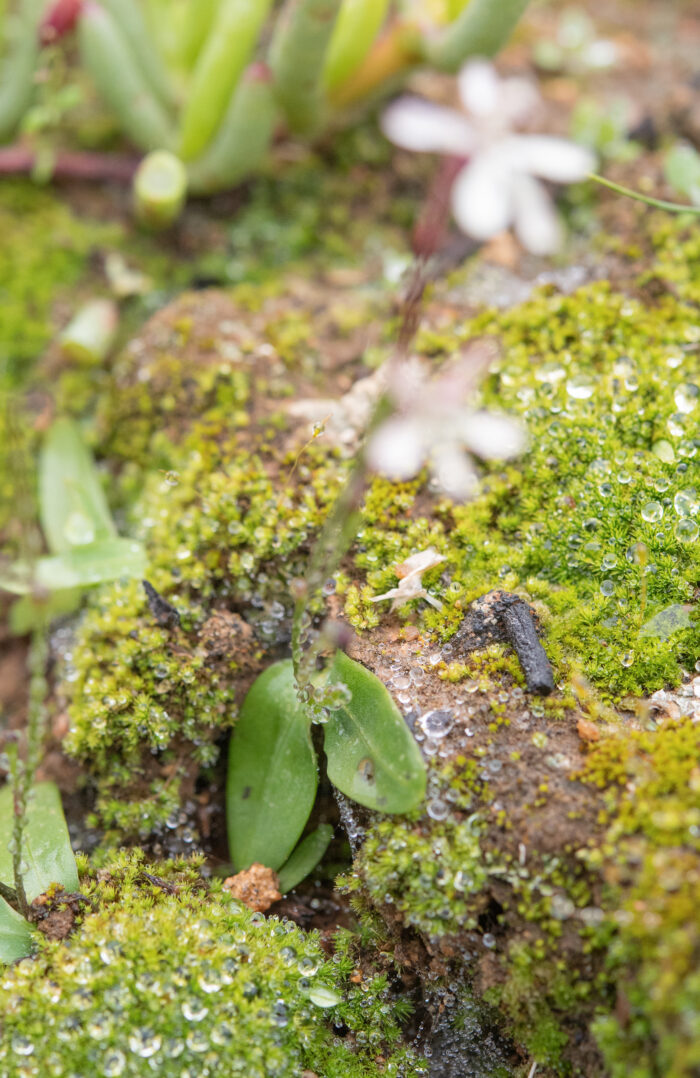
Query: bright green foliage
[177, 976]
[16, 937]
[372, 756]
[46, 849]
[305, 857]
[272, 773]
[72, 505]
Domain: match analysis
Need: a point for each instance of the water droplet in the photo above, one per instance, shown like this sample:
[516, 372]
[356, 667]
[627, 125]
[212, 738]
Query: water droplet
[437, 723]
[580, 387]
[488, 940]
[609, 561]
[607, 587]
[79, 530]
[652, 511]
[685, 502]
[197, 1040]
[437, 809]
[194, 1010]
[144, 1043]
[627, 658]
[113, 1064]
[22, 1046]
[171, 479]
[550, 372]
[687, 530]
[686, 397]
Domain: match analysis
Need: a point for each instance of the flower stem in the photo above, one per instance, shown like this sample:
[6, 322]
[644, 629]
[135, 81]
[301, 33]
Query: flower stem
[657, 203]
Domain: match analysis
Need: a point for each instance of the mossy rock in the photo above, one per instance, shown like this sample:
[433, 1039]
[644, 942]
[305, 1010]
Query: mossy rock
[543, 875]
[165, 973]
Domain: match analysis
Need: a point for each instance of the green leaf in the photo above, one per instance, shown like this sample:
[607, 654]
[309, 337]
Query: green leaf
[72, 504]
[46, 846]
[372, 756]
[305, 858]
[80, 567]
[16, 937]
[682, 170]
[272, 774]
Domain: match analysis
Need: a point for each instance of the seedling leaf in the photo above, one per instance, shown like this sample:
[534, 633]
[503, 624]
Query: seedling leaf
[372, 756]
[46, 847]
[272, 776]
[81, 567]
[16, 937]
[72, 504]
[305, 857]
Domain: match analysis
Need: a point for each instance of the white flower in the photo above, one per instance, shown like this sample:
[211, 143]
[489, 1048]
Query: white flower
[410, 574]
[499, 184]
[432, 425]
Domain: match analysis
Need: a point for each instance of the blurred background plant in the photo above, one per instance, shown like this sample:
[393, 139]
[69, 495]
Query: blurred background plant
[211, 83]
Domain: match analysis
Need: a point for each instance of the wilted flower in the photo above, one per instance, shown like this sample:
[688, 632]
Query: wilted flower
[433, 425]
[498, 185]
[410, 574]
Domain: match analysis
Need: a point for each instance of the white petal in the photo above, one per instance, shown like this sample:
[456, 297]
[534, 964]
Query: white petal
[396, 450]
[494, 437]
[416, 124]
[481, 197]
[453, 470]
[519, 99]
[537, 224]
[554, 159]
[479, 88]
[419, 563]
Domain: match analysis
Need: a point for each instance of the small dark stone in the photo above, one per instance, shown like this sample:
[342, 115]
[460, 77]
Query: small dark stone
[165, 614]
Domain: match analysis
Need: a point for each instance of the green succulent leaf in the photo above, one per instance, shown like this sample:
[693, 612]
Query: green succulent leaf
[305, 857]
[46, 846]
[72, 503]
[272, 774]
[372, 756]
[16, 937]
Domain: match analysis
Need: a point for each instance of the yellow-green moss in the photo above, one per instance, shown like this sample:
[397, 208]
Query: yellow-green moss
[167, 972]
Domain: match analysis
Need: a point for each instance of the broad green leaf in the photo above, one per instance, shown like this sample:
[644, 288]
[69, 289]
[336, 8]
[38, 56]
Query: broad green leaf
[682, 170]
[72, 505]
[305, 858]
[80, 567]
[46, 848]
[272, 775]
[16, 937]
[372, 756]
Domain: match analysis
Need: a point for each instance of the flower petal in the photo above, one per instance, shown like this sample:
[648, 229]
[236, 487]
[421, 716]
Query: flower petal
[537, 224]
[415, 124]
[554, 159]
[453, 471]
[492, 436]
[481, 197]
[479, 88]
[396, 449]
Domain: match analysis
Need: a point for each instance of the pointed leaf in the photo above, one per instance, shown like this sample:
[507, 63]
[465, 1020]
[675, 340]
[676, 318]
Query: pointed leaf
[80, 567]
[372, 756]
[16, 937]
[46, 846]
[305, 858]
[272, 775]
[72, 504]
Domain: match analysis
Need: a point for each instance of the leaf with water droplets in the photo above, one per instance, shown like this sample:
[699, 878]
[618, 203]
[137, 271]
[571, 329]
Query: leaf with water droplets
[72, 504]
[372, 756]
[272, 775]
[96, 563]
[16, 937]
[305, 858]
[46, 848]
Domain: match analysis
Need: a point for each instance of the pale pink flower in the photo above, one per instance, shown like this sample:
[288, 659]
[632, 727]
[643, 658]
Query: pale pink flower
[410, 574]
[499, 184]
[432, 424]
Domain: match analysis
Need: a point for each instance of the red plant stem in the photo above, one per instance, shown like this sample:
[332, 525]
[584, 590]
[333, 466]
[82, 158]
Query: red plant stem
[430, 229]
[60, 19]
[73, 165]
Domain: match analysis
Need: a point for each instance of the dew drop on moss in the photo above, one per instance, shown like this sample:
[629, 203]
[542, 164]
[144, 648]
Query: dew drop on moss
[687, 530]
[652, 512]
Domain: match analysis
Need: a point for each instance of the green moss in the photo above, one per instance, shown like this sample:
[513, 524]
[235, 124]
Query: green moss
[168, 972]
